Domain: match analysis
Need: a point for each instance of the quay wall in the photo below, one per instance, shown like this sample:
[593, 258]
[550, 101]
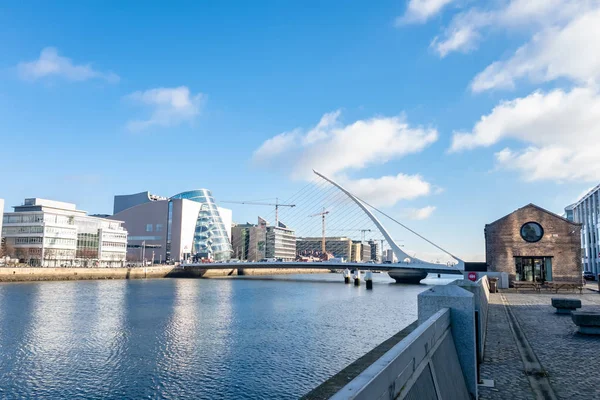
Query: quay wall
[64, 274]
[25, 274]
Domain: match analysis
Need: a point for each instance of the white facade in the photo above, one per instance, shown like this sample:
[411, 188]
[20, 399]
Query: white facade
[280, 243]
[390, 256]
[184, 246]
[227, 218]
[53, 234]
[586, 211]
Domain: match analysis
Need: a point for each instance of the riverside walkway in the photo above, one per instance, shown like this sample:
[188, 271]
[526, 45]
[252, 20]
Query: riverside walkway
[531, 352]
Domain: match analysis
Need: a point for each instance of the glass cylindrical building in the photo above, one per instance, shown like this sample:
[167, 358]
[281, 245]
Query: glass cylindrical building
[210, 236]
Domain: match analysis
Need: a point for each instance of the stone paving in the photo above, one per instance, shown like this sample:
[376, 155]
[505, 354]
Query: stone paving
[502, 361]
[570, 360]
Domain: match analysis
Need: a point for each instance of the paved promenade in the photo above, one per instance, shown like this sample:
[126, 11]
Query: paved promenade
[568, 361]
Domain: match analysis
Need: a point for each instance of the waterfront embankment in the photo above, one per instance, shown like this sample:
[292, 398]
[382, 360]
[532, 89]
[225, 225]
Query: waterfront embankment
[25, 274]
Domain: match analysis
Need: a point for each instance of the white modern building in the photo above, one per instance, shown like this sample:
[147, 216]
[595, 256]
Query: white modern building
[186, 225]
[51, 233]
[586, 211]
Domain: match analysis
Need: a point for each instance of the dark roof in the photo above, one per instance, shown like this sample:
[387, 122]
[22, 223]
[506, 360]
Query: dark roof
[539, 208]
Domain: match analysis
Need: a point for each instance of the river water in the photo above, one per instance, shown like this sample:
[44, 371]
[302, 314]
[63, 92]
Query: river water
[242, 338]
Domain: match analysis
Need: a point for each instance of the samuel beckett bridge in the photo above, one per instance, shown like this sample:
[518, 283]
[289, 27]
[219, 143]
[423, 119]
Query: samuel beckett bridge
[324, 226]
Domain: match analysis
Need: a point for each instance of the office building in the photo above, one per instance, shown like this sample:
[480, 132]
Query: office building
[534, 244]
[256, 242]
[187, 225]
[586, 211]
[338, 247]
[374, 246]
[248, 242]
[280, 242]
[361, 252]
[389, 256]
[50, 233]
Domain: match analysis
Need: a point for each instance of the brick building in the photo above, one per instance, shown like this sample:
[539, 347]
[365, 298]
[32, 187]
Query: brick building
[534, 244]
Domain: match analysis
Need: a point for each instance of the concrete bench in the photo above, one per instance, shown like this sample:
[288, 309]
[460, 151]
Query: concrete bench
[587, 322]
[565, 306]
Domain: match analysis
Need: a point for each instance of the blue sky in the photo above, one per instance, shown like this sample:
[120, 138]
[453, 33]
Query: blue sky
[101, 98]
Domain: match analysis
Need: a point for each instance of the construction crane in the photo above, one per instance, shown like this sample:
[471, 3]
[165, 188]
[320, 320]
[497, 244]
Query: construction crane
[277, 204]
[322, 214]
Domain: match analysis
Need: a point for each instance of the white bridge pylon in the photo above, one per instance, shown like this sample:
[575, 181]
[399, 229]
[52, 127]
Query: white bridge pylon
[401, 255]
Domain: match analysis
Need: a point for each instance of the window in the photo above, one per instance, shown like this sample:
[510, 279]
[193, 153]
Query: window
[532, 232]
[149, 228]
[159, 227]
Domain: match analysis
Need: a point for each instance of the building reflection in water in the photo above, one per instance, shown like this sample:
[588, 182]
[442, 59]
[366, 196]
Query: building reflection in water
[54, 338]
[196, 337]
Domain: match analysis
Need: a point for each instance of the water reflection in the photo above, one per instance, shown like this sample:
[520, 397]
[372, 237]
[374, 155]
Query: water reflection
[54, 343]
[17, 302]
[180, 350]
[175, 338]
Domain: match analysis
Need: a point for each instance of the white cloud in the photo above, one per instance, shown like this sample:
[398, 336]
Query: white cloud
[567, 52]
[467, 28]
[170, 106]
[276, 145]
[331, 147]
[419, 11]
[50, 63]
[334, 149]
[419, 213]
[388, 190]
[460, 35]
[559, 130]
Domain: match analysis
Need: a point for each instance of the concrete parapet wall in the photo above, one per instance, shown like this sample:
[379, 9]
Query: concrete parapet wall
[462, 315]
[423, 365]
[481, 292]
[438, 359]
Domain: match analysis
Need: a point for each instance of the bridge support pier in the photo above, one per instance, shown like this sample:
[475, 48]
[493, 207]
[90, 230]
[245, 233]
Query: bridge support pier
[369, 280]
[346, 275]
[413, 276]
[357, 278]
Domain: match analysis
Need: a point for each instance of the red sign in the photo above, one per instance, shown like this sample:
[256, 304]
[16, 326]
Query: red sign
[472, 276]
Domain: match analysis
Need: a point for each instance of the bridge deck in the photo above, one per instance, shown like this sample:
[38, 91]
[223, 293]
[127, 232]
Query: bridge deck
[326, 266]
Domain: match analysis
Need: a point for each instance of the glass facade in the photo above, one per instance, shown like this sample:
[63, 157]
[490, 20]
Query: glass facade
[210, 236]
[587, 212]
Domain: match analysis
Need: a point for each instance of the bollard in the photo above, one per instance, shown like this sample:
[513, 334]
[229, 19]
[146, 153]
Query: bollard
[369, 280]
[357, 278]
[346, 274]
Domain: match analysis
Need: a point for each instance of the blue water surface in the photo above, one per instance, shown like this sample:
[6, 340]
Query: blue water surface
[234, 338]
